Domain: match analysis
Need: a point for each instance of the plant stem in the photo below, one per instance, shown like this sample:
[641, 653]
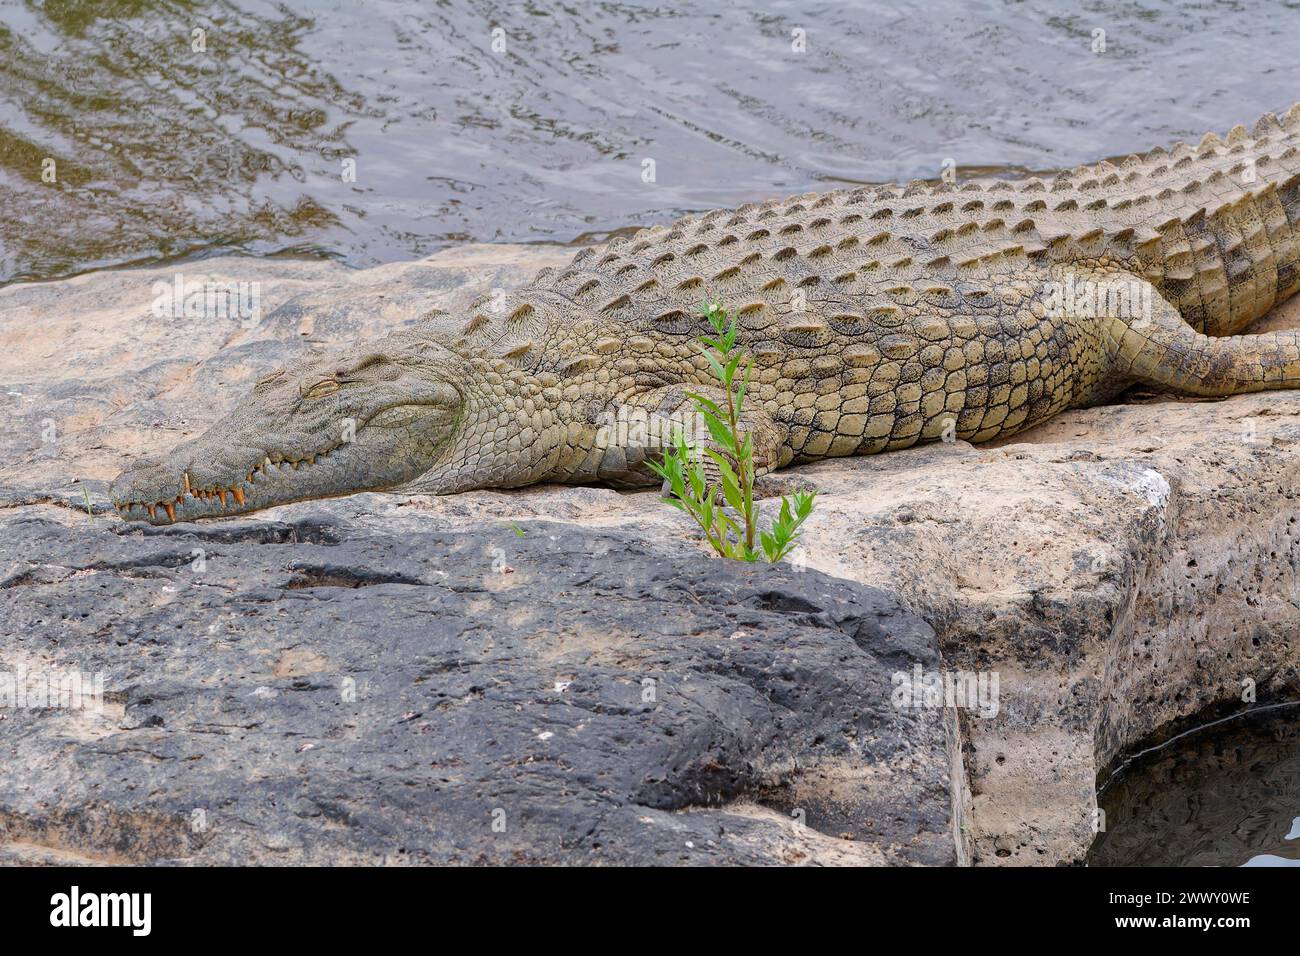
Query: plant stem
[746, 484]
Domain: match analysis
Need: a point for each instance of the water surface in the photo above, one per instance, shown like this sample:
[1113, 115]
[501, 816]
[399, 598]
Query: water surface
[1228, 795]
[161, 150]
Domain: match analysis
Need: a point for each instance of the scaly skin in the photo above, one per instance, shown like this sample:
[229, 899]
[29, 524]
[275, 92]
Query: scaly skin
[876, 318]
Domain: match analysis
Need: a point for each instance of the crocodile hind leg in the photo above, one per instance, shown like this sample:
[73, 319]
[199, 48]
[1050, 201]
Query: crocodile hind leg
[1156, 347]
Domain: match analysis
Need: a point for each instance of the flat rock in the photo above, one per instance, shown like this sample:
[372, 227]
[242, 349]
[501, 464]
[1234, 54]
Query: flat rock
[309, 692]
[1120, 571]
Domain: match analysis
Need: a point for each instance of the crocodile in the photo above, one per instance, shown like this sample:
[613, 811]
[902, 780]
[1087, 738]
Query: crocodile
[875, 317]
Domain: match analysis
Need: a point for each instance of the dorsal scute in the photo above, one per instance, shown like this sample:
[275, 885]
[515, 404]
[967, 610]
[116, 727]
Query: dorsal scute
[764, 257]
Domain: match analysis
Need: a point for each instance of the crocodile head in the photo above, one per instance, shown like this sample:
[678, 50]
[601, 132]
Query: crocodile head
[370, 419]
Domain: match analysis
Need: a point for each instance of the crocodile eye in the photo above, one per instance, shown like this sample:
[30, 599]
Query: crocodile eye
[321, 389]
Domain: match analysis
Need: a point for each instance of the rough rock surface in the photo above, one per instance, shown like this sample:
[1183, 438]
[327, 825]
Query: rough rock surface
[379, 689]
[1121, 569]
[309, 693]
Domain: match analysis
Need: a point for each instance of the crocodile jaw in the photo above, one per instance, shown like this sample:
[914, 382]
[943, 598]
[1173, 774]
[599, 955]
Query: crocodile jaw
[208, 478]
[164, 492]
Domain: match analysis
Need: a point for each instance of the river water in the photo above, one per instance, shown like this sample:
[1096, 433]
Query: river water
[539, 121]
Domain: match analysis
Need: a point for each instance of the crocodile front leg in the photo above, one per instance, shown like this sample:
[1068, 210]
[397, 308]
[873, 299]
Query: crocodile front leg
[633, 432]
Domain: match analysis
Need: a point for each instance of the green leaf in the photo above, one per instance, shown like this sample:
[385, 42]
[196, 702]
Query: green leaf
[720, 433]
[730, 484]
[706, 402]
[803, 503]
[696, 477]
[743, 388]
[682, 449]
[785, 518]
[731, 333]
[723, 463]
[671, 471]
[732, 364]
[714, 364]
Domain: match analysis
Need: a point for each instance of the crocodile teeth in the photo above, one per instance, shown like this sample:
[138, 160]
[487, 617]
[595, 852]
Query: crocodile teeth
[239, 495]
[171, 511]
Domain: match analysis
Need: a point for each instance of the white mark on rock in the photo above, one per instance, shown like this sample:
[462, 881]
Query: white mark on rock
[1154, 485]
[1295, 830]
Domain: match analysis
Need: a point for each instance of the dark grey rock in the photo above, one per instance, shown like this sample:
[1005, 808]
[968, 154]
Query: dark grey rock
[310, 691]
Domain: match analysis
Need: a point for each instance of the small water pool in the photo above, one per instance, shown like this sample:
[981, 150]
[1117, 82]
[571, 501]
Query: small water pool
[1227, 794]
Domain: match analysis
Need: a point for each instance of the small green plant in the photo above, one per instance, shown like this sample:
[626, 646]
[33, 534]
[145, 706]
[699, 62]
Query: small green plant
[724, 506]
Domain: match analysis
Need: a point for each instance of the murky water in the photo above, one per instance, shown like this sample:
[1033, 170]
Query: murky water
[1228, 795]
[535, 121]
